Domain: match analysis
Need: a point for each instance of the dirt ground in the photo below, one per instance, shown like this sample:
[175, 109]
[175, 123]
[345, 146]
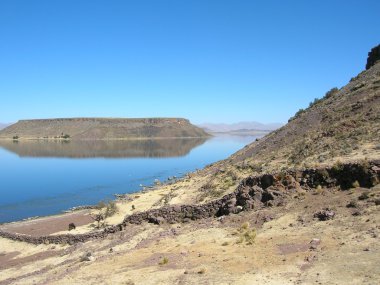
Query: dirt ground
[291, 247]
[49, 225]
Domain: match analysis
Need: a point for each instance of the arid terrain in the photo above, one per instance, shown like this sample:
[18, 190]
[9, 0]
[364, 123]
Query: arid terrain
[299, 206]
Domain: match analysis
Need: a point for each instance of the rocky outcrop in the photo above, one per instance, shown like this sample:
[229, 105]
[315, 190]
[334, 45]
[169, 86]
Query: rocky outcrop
[373, 57]
[252, 193]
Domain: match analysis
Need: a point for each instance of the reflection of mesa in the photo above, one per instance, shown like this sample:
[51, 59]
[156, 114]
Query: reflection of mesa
[103, 148]
[102, 129]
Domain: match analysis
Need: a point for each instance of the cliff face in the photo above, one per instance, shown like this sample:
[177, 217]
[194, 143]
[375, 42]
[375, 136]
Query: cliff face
[102, 128]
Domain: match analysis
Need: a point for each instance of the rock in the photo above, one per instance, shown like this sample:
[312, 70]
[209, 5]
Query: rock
[87, 257]
[314, 243]
[324, 215]
[72, 226]
[156, 220]
[356, 213]
[373, 57]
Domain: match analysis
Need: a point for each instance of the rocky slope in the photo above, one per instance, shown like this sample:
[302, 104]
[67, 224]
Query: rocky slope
[102, 128]
[344, 125]
[300, 206]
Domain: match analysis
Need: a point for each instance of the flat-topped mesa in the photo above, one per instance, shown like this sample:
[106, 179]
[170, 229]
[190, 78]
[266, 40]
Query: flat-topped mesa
[113, 120]
[373, 57]
[102, 128]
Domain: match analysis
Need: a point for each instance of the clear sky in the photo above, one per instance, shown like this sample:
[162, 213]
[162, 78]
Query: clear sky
[209, 61]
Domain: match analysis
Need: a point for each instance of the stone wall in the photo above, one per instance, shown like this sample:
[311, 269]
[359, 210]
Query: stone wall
[252, 193]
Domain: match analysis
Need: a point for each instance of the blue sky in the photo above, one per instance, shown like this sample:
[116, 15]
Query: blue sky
[209, 61]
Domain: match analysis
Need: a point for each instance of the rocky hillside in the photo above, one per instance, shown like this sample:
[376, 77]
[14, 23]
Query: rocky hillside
[344, 125]
[102, 128]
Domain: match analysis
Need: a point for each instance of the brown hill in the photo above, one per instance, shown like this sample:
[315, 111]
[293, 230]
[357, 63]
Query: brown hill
[102, 128]
[344, 125]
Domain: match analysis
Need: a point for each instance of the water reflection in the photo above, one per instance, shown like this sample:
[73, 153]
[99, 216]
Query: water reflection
[103, 148]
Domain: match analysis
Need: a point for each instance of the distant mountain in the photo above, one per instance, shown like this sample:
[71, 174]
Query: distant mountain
[4, 125]
[103, 128]
[239, 127]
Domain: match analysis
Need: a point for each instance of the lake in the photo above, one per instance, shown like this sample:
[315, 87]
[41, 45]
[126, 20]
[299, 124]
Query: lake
[39, 178]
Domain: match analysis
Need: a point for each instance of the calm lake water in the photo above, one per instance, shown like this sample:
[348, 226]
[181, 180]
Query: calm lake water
[43, 178]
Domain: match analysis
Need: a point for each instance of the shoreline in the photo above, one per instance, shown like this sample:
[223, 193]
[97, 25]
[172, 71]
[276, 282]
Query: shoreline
[79, 215]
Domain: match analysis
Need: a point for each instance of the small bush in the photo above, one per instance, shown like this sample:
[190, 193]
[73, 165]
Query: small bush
[247, 234]
[164, 261]
[356, 184]
[316, 101]
[245, 226]
[15, 137]
[297, 114]
[105, 210]
[331, 92]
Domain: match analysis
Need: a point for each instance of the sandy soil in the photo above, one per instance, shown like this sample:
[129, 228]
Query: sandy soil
[291, 247]
[48, 225]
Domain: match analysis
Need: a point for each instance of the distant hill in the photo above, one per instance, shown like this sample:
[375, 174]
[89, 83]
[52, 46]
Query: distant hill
[4, 125]
[102, 128]
[241, 127]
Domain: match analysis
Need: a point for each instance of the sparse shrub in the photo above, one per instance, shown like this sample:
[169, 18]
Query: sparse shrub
[225, 243]
[15, 138]
[105, 210]
[246, 234]
[338, 166]
[319, 190]
[245, 226]
[316, 101]
[111, 209]
[297, 114]
[331, 92]
[164, 261]
[356, 184]
[202, 271]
